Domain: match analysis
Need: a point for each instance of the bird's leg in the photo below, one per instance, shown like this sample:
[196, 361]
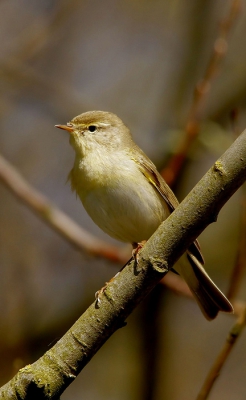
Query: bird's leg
[99, 293]
[136, 247]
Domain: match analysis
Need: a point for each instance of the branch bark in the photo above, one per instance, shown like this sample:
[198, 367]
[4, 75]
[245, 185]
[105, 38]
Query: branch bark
[48, 377]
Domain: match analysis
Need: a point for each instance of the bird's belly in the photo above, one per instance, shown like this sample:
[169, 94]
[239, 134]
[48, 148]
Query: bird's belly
[129, 213]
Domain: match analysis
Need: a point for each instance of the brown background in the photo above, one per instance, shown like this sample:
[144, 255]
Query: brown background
[140, 60]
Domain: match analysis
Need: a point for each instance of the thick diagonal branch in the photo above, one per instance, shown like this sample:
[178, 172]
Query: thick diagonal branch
[48, 377]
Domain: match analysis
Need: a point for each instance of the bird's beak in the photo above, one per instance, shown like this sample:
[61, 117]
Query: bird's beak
[65, 127]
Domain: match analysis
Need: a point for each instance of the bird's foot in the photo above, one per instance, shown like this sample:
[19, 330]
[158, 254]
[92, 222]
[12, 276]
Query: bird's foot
[100, 292]
[136, 248]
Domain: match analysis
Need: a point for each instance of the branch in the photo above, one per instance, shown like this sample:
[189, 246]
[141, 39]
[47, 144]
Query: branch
[201, 93]
[240, 262]
[54, 217]
[48, 377]
[214, 372]
[177, 285]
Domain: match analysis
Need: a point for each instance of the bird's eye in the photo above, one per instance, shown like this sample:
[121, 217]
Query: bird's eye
[92, 128]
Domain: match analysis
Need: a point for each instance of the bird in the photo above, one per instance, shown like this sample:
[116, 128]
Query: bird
[125, 195]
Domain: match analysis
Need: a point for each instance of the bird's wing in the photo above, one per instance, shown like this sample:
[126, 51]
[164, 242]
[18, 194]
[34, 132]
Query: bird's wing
[150, 172]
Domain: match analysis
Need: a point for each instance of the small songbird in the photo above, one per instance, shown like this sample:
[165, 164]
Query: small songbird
[127, 198]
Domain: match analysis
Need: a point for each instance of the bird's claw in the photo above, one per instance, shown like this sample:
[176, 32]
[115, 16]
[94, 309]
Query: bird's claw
[135, 251]
[99, 293]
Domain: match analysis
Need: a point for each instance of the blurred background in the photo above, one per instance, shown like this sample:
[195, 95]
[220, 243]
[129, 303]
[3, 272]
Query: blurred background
[141, 60]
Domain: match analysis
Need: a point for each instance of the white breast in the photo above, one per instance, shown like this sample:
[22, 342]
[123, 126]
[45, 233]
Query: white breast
[120, 200]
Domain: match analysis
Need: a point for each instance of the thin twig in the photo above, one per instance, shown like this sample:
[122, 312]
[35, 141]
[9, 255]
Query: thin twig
[240, 263]
[177, 285]
[30, 43]
[201, 94]
[234, 119]
[214, 372]
[39, 32]
[54, 217]
[22, 74]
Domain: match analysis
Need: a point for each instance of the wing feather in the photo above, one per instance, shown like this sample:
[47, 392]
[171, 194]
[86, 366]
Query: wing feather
[150, 172]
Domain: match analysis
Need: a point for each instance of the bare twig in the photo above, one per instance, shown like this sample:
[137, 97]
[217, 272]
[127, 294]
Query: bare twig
[178, 286]
[240, 263]
[40, 31]
[214, 372]
[54, 217]
[14, 68]
[201, 94]
[21, 74]
[234, 118]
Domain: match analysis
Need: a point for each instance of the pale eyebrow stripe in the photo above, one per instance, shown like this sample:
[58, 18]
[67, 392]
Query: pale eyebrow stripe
[103, 124]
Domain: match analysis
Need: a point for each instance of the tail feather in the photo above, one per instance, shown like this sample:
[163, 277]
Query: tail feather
[208, 296]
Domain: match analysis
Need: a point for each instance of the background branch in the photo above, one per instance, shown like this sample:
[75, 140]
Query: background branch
[54, 217]
[201, 94]
[239, 267]
[213, 374]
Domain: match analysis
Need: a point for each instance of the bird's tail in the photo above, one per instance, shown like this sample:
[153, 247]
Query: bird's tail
[208, 296]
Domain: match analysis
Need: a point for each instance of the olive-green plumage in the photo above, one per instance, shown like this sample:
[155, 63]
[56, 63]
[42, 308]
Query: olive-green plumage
[127, 198]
